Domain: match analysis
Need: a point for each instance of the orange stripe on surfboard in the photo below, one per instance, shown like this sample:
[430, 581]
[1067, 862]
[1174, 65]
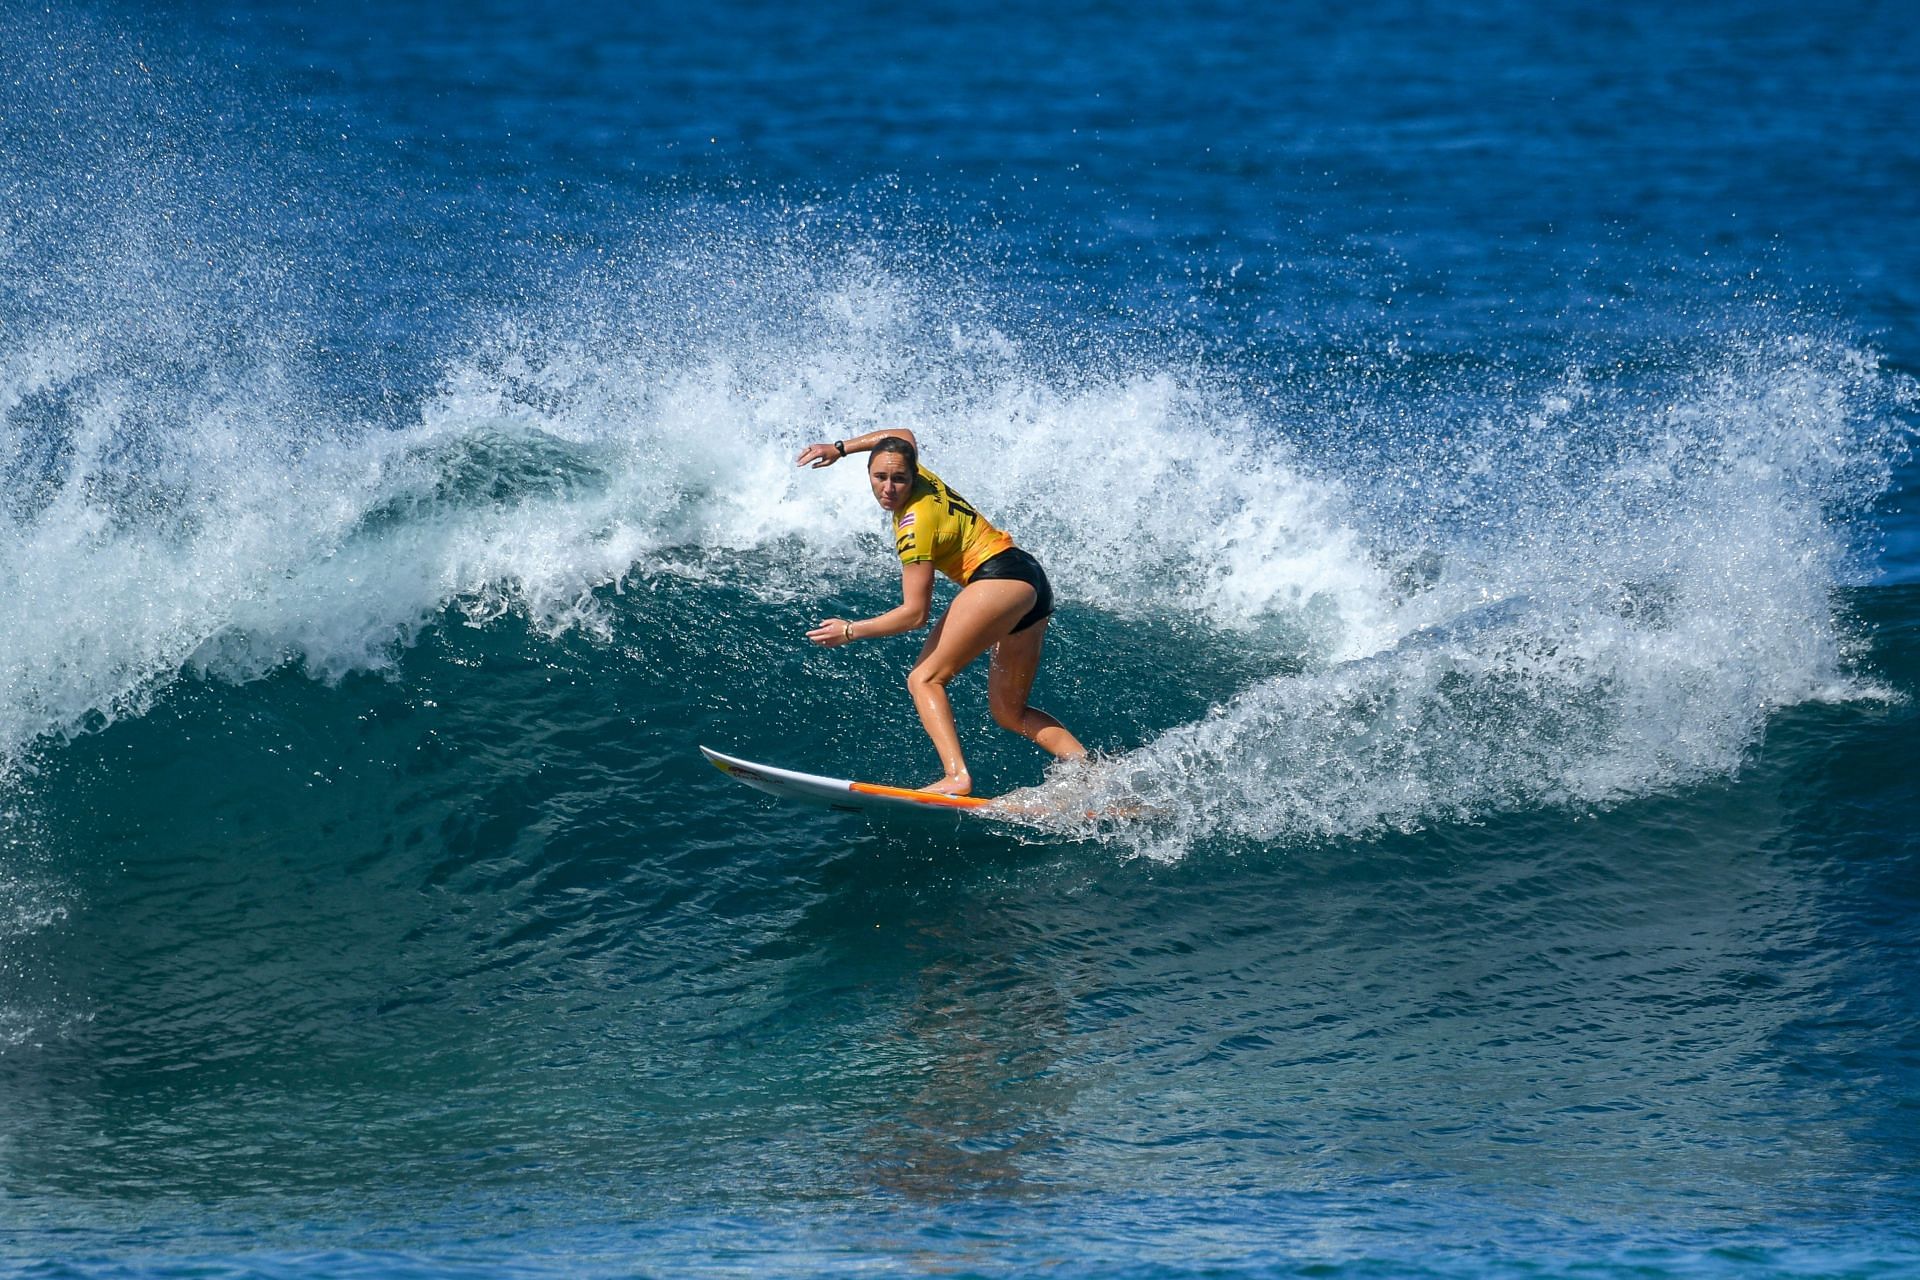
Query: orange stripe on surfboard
[924, 797]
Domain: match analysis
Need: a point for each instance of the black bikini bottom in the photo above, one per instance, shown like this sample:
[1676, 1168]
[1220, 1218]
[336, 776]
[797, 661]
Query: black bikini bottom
[1017, 565]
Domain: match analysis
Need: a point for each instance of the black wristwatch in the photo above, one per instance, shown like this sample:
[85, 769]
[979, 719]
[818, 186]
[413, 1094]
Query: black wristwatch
[841, 445]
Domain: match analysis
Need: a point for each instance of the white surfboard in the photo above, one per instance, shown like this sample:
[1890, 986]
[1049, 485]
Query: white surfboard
[840, 793]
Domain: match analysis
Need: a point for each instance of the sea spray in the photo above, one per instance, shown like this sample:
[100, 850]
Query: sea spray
[1616, 610]
[230, 527]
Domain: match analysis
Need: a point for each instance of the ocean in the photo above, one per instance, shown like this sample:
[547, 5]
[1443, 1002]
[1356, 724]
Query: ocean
[1472, 448]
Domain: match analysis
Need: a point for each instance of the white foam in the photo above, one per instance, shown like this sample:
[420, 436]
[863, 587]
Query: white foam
[1674, 563]
[1625, 621]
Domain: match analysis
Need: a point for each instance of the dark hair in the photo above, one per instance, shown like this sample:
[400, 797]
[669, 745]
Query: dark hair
[900, 445]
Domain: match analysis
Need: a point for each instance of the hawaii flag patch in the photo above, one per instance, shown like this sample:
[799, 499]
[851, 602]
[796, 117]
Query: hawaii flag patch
[906, 521]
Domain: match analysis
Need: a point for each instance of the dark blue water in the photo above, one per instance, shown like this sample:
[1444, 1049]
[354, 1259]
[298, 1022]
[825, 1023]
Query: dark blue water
[1472, 448]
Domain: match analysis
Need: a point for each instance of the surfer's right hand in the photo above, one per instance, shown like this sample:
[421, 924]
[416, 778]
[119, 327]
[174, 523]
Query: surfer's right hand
[820, 455]
[832, 633]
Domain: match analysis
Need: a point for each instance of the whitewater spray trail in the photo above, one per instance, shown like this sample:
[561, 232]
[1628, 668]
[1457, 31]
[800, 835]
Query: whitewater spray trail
[224, 523]
[1564, 591]
[1604, 594]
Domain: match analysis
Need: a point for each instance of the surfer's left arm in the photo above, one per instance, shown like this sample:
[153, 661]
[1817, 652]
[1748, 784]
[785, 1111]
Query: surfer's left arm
[826, 453]
[915, 607]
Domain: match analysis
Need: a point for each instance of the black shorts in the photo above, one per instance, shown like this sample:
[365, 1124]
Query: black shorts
[1018, 566]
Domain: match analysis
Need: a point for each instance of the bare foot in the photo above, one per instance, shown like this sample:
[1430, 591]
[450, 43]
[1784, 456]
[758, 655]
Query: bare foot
[954, 784]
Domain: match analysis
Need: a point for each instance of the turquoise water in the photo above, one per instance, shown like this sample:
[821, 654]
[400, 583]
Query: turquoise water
[1472, 451]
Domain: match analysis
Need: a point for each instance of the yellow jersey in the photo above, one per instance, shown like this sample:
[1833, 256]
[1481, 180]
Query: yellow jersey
[937, 524]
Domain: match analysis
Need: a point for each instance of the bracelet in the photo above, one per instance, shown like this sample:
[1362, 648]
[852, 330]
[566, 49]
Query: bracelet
[848, 638]
[841, 445]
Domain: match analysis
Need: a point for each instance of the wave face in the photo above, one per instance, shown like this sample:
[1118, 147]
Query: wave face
[1487, 584]
[1594, 587]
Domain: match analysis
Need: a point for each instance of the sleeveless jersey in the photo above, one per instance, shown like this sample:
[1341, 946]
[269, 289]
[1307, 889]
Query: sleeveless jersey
[937, 524]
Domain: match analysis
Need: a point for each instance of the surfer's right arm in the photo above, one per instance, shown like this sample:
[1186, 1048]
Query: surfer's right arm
[915, 607]
[827, 452]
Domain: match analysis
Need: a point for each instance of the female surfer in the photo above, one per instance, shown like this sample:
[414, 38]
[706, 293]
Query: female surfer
[1003, 605]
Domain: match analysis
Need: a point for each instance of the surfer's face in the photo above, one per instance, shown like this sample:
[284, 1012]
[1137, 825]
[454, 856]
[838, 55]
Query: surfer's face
[891, 480]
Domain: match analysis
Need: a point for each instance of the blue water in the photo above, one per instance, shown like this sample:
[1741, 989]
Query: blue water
[1472, 446]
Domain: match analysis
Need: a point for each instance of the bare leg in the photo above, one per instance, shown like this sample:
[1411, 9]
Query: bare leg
[981, 615]
[1016, 660]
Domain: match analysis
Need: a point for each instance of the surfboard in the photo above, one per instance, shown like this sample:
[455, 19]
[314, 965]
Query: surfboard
[840, 793]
